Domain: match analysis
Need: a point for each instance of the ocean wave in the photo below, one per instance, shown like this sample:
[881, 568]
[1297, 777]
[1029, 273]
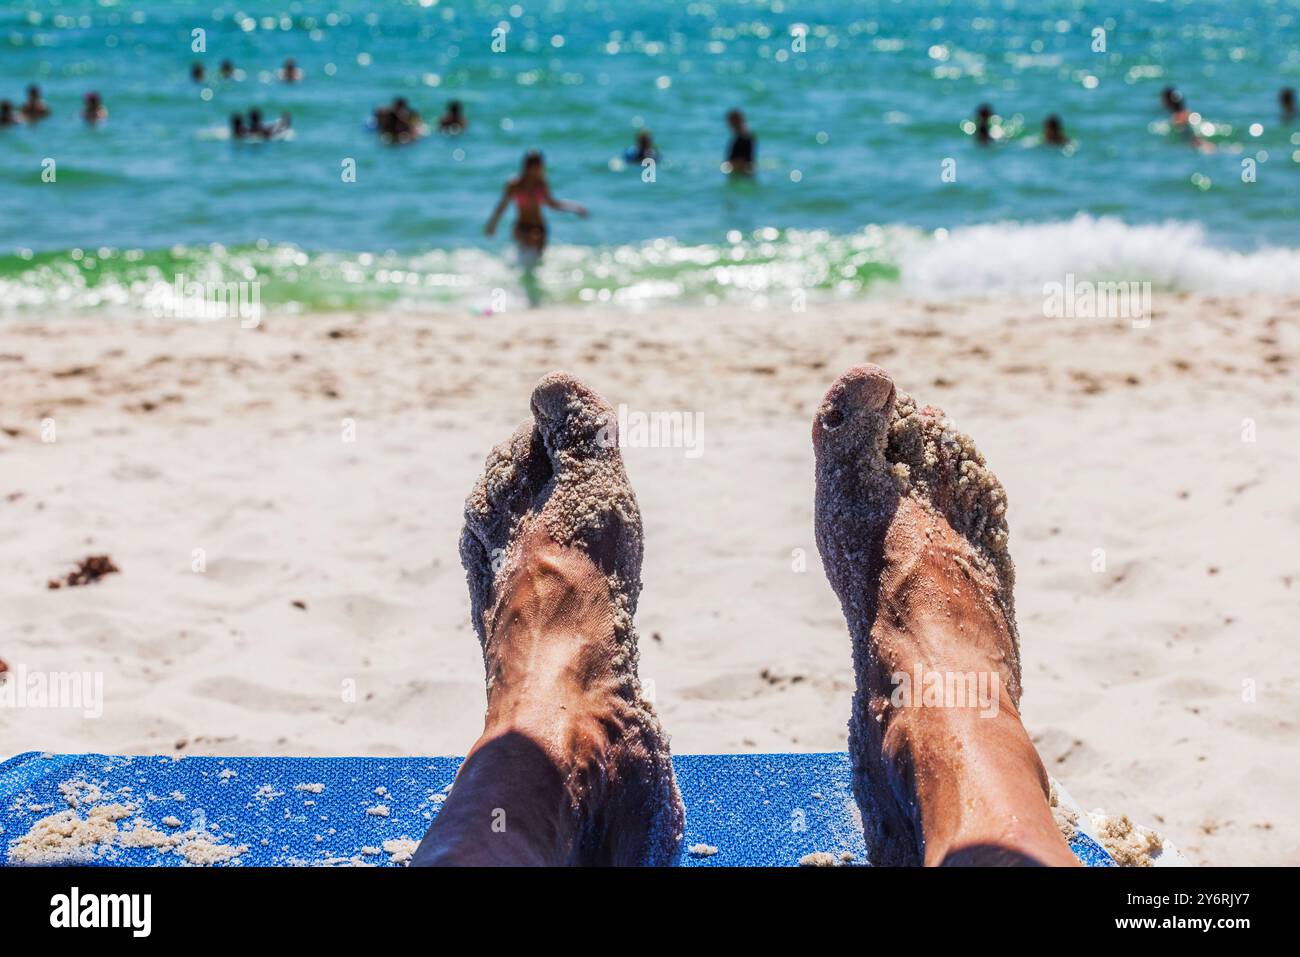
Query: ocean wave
[764, 268]
[1020, 258]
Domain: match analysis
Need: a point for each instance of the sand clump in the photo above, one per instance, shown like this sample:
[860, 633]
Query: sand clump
[1126, 842]
[400, 849]
[819, 859]
[1066, 818]
[68, 837]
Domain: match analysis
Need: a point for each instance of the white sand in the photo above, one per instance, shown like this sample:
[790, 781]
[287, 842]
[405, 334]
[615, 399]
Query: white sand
[172, 438]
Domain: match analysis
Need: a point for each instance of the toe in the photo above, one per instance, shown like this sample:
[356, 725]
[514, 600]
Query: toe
[513, 472]
[854, 416]
[572, 418]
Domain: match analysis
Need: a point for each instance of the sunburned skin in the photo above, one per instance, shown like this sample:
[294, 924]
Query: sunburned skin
[912, 530]
[572, 766]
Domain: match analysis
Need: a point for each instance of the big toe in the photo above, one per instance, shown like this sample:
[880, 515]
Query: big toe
[572, 418]
[853, 418]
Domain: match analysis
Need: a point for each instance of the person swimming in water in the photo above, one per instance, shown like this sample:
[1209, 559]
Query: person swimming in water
[1286, 100]
[398, 123]
[7, 115]
[406, 121]
[197, 73]
[743, 149]
[1054, 132]
[984, 133]
[254, 128]
[94, 111]
[227, 70]
[453, 121]
[645, 149]
[1182, 120]
[35, 108]
[290, 72]
[1171, 100]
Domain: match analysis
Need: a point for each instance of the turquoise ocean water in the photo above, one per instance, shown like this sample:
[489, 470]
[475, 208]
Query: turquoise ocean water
[856, 106]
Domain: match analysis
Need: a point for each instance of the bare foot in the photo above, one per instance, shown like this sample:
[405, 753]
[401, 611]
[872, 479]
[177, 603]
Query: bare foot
[552, 550]
[912, 530]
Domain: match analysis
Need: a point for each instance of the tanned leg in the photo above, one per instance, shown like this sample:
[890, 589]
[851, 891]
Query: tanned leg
[912, 530]
[572, 766]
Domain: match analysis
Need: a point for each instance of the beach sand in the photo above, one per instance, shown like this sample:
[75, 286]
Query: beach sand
[1163, 683]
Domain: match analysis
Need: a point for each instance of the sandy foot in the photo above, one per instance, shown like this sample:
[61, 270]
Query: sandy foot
[912, 531]
[553, 502]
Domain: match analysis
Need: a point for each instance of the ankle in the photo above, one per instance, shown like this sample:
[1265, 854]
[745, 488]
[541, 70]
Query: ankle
[976, 784]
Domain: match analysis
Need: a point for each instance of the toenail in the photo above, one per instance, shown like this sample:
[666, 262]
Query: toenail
[832, 420]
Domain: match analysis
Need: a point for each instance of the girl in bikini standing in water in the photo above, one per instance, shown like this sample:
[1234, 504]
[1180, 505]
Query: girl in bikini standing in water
[530, 192]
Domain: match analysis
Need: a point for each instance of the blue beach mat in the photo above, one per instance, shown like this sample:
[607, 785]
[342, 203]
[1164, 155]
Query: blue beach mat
[741, 810]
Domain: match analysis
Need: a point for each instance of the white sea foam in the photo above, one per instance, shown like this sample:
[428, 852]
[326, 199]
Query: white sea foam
[766, 268]
[1020, 258]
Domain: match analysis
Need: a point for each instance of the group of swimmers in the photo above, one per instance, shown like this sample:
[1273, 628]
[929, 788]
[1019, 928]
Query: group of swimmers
[35, 109]
[529, 190]
[1187, 123]
[398, 123]
[290, 72]
[986, 131]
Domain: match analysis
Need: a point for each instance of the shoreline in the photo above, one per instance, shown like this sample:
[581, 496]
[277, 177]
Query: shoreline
[173, 437]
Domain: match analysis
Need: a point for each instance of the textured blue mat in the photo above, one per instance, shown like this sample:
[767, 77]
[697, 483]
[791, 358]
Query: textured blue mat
[755, 809]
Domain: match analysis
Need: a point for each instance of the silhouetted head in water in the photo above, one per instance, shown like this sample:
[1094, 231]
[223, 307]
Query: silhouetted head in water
[7, 117]
[94, 110]
[403, 120]
[1054, 132]
[255, 122]
[645, 145]
[1171, 99]
[227, 69]
[197, 73]
[290, 72]
[453, 121]
[35, 108]
[1286, 100]
[984, 123]
[736, 120]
